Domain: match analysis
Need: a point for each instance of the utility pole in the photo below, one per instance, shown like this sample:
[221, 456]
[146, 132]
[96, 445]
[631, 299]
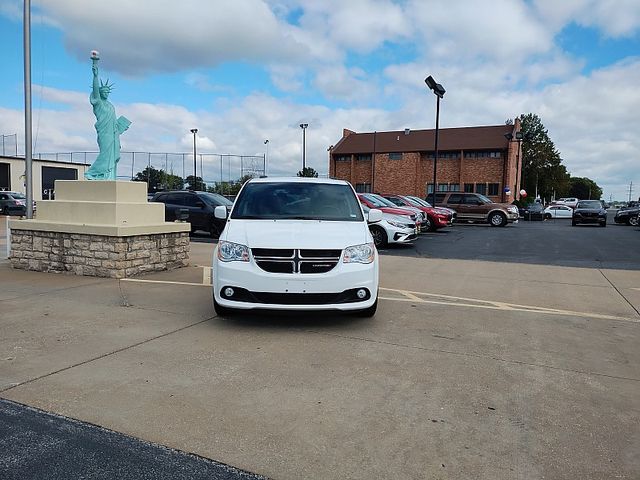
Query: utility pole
[630, 189]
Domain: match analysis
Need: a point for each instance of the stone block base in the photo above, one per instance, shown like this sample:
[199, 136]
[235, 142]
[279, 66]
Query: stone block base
[98, 255]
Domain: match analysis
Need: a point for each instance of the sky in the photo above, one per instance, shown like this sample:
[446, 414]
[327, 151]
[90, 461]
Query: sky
[246, 71]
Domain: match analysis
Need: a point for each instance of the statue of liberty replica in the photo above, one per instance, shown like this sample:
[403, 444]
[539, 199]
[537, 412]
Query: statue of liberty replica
[108, 127]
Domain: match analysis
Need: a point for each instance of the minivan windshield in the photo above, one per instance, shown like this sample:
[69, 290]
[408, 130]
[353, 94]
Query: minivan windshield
[297, 201]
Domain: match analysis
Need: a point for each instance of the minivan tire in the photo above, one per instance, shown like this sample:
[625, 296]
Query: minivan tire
[220, 310]
[379, 236]
[497, 219]
[369, 311]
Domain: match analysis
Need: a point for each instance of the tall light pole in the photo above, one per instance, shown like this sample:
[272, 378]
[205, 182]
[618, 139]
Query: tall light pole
[195, 172]
[304, 126]
[266, 157]
[519, 138]
[27, 109]
[439, 92]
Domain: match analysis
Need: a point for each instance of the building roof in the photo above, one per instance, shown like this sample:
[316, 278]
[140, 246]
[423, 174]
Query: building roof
[463, 138]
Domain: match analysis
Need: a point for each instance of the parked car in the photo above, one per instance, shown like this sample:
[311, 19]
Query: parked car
[296, 244]
[421, 201]
[199, 206]
[392, 229]
[532, 211]
[478, 208]
[435, 218]
[13, 203]
[589, 211]
[558, 211]
[377, 202]
[569, 202]
[628, 216]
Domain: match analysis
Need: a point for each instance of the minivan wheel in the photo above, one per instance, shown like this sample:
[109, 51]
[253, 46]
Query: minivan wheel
[220, 310]
[368, 312]
[379, 236]
[497, 219]
[633, 221]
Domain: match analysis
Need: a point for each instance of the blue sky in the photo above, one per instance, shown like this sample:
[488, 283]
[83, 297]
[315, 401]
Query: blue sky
[243, 72]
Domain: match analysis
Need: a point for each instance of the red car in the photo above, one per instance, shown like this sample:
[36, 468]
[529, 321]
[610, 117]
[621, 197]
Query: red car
[436, 217]
[372, 202]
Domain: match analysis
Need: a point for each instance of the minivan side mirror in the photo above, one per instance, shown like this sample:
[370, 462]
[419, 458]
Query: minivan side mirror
[220, 212]
[374, 215]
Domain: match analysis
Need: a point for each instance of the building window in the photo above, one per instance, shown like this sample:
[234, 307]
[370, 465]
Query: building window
[454, 187]
[363, 187]
[430, 155]
[481, 188]
[395, 156]
[430, 188]
[443, 187]
[468, 187]
[363, 156]
[342, 158]
[493, 188]
[495, 155]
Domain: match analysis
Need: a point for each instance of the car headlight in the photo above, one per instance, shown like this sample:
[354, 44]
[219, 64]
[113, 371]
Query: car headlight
[396, 224]
[232, 252]
[364, 253]
[513, 209]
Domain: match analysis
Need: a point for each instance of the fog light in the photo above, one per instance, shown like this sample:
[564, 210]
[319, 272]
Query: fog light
[361, 293]
[228, 292]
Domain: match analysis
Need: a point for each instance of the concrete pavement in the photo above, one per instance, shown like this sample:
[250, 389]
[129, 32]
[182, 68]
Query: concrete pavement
[469, 370]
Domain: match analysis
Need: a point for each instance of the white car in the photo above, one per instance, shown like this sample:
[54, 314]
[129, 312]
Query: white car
[558, 211]
[392, 229]
[569, 202]
[296, 244]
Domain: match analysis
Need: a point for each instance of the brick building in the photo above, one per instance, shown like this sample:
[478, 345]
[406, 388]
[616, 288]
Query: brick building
[470, 159]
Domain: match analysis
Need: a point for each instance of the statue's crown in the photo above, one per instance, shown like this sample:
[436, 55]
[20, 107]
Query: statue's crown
[106, 85]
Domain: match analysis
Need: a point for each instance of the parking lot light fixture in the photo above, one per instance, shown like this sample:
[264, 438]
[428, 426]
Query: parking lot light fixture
[439, 92]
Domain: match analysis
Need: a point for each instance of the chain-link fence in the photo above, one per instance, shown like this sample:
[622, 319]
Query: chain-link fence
[213, 168]
[9, 145]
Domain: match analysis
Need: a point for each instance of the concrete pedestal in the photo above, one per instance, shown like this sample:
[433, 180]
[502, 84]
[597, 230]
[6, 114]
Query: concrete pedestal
[99, 228]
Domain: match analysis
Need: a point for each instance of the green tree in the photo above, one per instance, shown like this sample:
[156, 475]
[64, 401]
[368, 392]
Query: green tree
[197, 185]
[541, 162]
[584, 188]
[158, 180]
[308, 172]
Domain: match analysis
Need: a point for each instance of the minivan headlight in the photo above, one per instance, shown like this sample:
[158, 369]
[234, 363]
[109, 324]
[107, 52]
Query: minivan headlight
[232, 252]
[364, 253]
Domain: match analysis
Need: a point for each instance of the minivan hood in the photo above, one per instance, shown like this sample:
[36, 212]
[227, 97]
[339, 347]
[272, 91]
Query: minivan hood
[320, 234]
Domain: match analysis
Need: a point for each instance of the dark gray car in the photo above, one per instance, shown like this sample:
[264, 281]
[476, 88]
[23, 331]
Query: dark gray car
[589, 211]
[13, 203]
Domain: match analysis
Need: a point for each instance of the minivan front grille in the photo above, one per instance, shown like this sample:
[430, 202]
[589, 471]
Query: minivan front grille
[304, 261]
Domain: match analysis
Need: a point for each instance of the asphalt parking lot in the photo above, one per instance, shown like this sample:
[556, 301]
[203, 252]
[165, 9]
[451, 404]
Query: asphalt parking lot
[495, 353]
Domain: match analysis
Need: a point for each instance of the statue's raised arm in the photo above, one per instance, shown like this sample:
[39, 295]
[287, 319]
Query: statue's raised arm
[108, 127]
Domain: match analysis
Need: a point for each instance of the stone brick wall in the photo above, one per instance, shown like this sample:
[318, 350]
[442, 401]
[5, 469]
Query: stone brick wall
[98, 255]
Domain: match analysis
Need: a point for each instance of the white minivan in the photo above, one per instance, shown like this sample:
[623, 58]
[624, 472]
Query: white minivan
[296, 244]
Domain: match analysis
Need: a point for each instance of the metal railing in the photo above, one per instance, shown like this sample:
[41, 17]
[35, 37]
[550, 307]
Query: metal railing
[9, 145]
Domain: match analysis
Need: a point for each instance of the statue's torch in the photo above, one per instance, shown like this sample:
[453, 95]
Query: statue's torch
[95, 57]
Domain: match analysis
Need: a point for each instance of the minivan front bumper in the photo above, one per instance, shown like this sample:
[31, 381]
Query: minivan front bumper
[254, 288]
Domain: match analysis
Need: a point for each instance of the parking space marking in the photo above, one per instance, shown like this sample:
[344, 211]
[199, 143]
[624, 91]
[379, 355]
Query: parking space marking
[423, 297]
[411, 296]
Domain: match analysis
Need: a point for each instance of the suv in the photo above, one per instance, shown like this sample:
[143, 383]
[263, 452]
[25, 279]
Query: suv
[296, 244]
[198, 205]
[478, 208]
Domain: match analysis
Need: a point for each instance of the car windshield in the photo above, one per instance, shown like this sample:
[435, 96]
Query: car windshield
[215, 199]
[590, 204]
[419, 201]
[297, 201]
[18, 196]
[385, 202]
[375, 201]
